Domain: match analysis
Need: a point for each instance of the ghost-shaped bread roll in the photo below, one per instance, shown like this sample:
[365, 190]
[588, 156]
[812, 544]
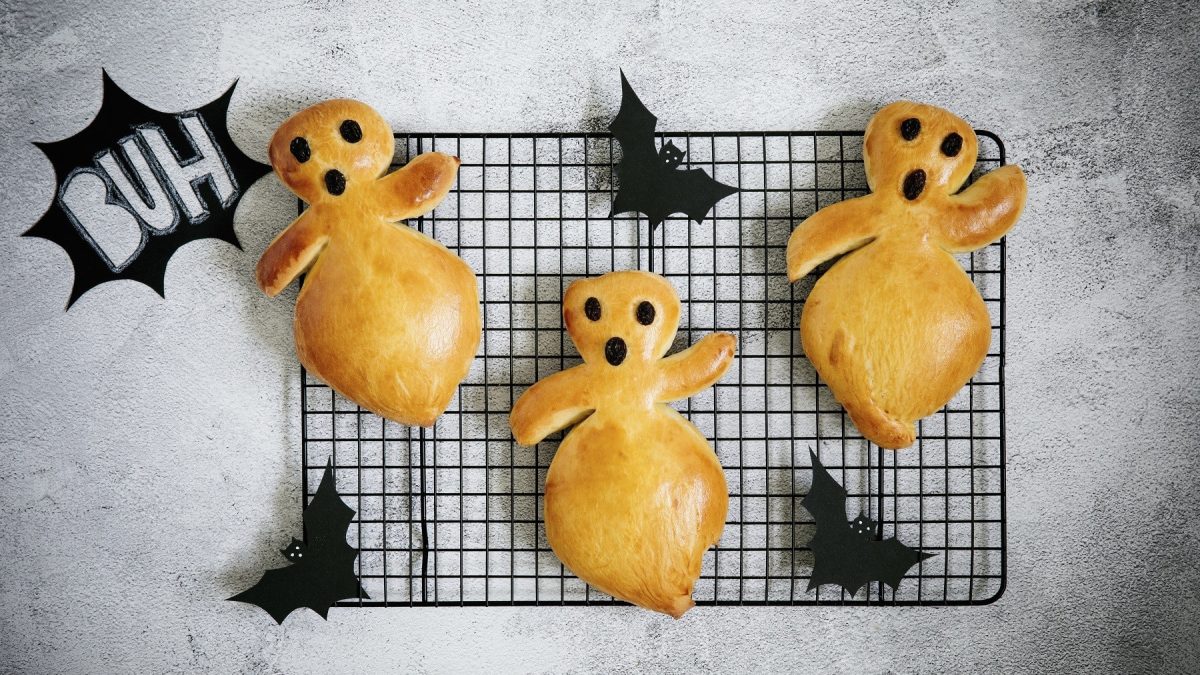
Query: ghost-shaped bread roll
[387, 316]
[896, 327]
[635, 494]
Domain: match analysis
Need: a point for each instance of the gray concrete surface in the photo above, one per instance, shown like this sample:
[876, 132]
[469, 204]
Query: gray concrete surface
[148, 448]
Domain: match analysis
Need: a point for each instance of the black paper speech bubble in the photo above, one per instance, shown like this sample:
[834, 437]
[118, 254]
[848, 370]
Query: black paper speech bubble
[137, 184]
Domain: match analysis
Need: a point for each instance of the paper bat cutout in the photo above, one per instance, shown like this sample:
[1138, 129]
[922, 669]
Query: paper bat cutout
[650, 181]
[847, 553]
[322, 569]
[137, 184]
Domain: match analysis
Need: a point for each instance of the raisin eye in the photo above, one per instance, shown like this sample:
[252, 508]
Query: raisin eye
[591, 308]
[300, 149]
[909, 128]
[952, 145]
[645, 313]
[351, 132]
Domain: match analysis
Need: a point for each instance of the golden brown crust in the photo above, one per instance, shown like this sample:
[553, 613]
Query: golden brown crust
[828, 233]
[290, 254]
[895, 327]
[984, 212]
[696, 368]
[386, 316]
[635, 494]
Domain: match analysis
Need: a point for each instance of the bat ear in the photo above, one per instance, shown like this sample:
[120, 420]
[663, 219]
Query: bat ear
[296, 546]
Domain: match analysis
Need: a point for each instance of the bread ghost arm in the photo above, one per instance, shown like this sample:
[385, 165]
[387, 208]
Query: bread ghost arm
[829, 232]
[417, 187]
[552, 403]
[983, 212]
[292, 252]
[696, 368]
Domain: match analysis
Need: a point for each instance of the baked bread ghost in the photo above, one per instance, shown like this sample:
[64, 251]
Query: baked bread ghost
[895, 327]
[635, 494]
[386, 315]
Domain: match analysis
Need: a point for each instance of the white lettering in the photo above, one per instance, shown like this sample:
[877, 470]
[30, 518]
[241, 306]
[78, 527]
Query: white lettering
[116, 208]
[152, 204]
[112, 230]
[185, 177]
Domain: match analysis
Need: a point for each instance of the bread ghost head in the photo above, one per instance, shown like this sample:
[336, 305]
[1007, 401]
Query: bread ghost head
[387, 316]
[332, 149]
[624, 319]
[911, 150]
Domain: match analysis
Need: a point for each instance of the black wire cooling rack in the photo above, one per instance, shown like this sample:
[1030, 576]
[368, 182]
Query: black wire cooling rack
[451, 516]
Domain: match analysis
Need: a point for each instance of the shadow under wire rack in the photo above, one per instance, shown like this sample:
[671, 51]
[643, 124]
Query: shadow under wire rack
[452, 516]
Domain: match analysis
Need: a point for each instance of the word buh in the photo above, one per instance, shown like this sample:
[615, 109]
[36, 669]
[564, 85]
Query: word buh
[137, 184]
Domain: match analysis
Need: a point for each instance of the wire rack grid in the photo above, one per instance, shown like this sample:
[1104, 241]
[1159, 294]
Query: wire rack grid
[451, 516]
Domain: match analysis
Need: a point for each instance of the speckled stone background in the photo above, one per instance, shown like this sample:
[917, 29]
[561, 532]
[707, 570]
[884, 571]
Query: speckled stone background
[149, 448]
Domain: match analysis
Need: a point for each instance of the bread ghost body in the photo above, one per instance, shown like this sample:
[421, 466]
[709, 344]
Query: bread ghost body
[390, 318]
[386, 315]
[633, 500]
[634, 494]
[895, 347]
[896, 327]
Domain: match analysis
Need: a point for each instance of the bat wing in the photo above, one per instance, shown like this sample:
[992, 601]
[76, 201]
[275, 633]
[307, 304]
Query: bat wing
[837, 555]
[639, 168]
[327, 517]
[826, 500]
[851, 562]
[331, 559]
[276, 592]
[890, 560]
[633, 127]
[694, 192]
[658, 191]
[315, 583]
